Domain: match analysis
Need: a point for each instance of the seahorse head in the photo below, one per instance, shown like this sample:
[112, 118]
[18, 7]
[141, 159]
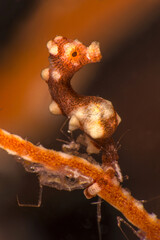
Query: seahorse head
[68, 56]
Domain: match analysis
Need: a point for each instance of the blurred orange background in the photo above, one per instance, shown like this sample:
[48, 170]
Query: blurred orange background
[128, 75]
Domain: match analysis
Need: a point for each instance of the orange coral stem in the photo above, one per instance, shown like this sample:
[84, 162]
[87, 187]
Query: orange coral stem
[110, 189]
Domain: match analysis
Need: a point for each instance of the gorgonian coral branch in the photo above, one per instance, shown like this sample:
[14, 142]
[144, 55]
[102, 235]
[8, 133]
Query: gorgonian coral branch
[85, 174]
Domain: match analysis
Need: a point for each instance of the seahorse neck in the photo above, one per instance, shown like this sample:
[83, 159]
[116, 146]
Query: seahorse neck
[63, 94]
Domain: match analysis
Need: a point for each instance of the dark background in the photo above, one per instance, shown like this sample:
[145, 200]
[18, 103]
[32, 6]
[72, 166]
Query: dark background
[128, 75]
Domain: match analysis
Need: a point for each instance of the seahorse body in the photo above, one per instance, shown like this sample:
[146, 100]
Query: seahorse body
[94, 115]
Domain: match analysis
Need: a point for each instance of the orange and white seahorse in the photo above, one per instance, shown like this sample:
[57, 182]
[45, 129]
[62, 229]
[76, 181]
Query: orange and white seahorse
[93, 115]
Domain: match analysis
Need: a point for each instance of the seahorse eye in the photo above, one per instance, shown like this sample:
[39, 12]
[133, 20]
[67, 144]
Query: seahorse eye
[74, 54]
